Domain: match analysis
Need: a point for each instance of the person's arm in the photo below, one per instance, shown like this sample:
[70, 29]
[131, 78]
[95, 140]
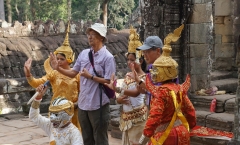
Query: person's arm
[120, 90]
[132, 93]
[34, 115]
[154, 118]
[54, 63]
[189, 111]
[67, 72]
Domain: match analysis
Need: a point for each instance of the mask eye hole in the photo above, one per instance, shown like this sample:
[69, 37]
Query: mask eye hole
[55, 114]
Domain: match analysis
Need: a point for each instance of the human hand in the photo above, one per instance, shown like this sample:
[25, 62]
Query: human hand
[85, 73]
[27, 67]
[113, 83]
[41, 89]
[123, 100]
[53, 61]
[133, 75]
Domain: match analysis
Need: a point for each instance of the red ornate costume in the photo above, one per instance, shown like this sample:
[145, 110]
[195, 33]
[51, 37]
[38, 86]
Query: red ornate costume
[162, 110]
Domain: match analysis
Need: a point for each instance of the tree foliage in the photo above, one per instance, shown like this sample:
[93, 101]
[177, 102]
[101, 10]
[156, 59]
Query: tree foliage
[118, 11]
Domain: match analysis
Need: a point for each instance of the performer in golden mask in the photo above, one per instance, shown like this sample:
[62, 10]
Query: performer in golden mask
[58, 126]
[134, 110]
[171, 114]
[60, 83]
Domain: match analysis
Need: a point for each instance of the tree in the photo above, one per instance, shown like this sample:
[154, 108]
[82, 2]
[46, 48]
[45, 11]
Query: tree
[86, 9]
[69, 8]
[119, 12]
[105, 9]
[9, 11]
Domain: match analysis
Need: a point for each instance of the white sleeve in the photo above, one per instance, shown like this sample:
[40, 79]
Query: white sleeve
[40, 121]
[76, 137]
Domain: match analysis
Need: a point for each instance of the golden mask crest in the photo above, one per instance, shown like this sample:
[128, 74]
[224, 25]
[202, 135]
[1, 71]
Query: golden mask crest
[66, 49]
[164, 67]
[134, 43]
[67, 107]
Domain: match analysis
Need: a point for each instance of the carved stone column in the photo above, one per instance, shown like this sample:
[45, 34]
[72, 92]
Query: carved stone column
[236, 31]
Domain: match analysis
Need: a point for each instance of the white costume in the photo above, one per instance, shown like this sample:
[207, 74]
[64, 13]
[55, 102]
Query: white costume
[133, 115]
[58, 134]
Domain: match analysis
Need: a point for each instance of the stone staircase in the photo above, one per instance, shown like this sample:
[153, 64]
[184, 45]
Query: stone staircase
[223, 117]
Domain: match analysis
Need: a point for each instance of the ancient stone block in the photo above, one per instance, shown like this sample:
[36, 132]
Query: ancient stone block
[224, 50]
[201, 13]
[199, 65]
[3, 49]
[175, 51]
[218, 39]
[3, 86]
[223, 63]
[8, 72]
[236, 29]
[9, 32]
[117, 48]
[223, 8]
[9, 45]
[229, 106]
[223, 29]
[200, 1]
[198, 50]
[199, 33]
[219, 20]
[227, 39]
[220, 121]
[6, 61]
[199, 81]
[40, 55]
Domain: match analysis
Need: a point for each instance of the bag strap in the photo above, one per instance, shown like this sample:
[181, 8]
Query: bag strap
[90, 55]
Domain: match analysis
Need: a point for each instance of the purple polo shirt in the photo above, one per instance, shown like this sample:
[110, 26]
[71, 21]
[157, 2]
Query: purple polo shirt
[104, 63]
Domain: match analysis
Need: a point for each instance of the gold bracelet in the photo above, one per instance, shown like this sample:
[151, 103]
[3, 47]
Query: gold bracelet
[35, 104]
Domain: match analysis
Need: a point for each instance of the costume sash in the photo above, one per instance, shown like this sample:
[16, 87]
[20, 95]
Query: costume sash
[177, 114]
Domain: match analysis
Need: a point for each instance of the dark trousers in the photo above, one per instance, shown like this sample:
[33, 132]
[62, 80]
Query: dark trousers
[94, 130]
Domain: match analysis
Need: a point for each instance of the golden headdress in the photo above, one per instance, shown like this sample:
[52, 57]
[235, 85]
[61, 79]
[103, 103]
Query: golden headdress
[66, 49]
[166, 67]
[134, 43]
[67, 106]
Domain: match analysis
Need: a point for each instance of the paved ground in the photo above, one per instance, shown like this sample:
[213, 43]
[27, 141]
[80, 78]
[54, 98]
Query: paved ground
[19, 130]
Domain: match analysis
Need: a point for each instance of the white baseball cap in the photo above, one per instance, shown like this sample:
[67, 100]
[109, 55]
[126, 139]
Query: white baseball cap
[100, 28]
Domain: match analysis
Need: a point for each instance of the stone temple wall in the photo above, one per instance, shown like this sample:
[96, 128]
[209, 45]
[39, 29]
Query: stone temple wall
[211, 40]
[37, 40]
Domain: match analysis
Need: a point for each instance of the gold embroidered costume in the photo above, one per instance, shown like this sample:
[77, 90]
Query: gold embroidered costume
[61, 85]
[134, 114]
[171, 114]
[58, 126]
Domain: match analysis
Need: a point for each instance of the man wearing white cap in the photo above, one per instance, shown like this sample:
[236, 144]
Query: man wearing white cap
[93, 103]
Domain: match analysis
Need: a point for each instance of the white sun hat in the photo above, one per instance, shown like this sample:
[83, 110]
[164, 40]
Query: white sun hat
[100, 28]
